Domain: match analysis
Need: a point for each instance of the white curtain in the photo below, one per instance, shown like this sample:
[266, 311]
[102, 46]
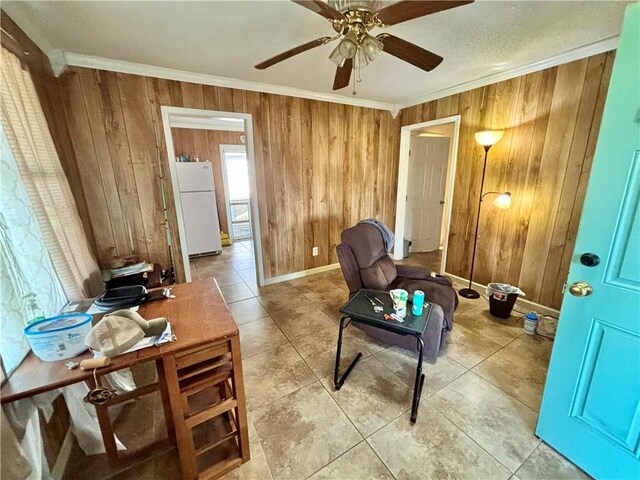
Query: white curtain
[51, 199]
[25, 265]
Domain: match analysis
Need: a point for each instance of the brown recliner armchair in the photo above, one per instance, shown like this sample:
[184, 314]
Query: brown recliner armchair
[365, 264]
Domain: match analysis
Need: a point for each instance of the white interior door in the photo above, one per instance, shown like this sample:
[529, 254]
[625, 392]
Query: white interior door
[428, 160]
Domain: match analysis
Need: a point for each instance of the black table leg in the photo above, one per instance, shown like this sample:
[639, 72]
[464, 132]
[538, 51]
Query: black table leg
[417, 389]
[338, 382]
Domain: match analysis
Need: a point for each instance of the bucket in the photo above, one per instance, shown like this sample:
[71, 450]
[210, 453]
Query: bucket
[59, 338]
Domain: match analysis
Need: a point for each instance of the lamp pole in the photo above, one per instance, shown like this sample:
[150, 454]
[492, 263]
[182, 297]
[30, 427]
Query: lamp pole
[470, 292]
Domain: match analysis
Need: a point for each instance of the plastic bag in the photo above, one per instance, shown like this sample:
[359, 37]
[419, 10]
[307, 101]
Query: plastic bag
[501, 290]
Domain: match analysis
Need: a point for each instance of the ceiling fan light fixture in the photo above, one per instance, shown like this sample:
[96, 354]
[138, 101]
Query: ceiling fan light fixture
[346, 5]
[349, 45]
[371, 47]
[361, 60]
[337, 57]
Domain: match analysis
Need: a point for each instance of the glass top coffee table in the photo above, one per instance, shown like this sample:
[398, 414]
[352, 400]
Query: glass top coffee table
[360, 310]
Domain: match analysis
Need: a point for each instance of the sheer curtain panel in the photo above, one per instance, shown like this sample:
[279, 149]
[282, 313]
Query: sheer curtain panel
[51, 199]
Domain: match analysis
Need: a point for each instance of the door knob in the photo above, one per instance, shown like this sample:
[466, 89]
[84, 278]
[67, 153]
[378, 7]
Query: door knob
[441, 202]
[580, 289]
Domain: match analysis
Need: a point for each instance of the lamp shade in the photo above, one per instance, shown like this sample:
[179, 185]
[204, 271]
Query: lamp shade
[503, 200]
[489, 137]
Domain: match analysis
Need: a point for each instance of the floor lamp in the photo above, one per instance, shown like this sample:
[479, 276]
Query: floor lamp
[487, 139]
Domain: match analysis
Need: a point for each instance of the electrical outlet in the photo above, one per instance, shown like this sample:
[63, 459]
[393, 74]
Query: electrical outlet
[314, 251]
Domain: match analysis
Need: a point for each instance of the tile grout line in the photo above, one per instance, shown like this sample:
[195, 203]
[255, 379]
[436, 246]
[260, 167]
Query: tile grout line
[463, 431]
[470, 438]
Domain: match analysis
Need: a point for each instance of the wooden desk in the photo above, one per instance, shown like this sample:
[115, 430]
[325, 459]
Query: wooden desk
[200, 319]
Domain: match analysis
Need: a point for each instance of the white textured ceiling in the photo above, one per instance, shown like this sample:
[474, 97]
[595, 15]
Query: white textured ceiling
[226, 38]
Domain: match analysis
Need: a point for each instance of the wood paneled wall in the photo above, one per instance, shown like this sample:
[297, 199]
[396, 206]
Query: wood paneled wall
[551, 120]
[206, 143]
[321, 167]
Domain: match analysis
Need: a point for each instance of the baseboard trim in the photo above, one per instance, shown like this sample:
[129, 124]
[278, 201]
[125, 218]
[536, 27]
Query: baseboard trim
[63, 456]
[521, 302]
[302, 273]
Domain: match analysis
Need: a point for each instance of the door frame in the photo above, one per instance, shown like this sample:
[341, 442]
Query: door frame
[207, 116]
[403, 177]
[227, 200]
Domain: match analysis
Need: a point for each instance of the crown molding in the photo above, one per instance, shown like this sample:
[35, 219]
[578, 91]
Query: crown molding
[122, 66]
[579, 53]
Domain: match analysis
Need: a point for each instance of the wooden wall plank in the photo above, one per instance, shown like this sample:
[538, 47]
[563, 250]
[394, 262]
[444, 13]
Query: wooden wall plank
[192, 95]
[575, 161]
[145, 159]
[306, 160]
[320, 182]
[553, 165]
[584, 178]
[118, 146]
[78, 121]
[503, 112]
[159, 95]
[514, 174]
[89, 82]
[336, 148]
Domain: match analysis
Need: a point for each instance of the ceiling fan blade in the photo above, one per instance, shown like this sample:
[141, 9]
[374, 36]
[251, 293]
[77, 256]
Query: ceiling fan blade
[410, 9]
[409, 52]
[290, 53]
[321, 8]
[343, 75]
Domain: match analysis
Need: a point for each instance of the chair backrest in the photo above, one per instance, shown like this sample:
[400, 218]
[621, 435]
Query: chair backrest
[363, 258]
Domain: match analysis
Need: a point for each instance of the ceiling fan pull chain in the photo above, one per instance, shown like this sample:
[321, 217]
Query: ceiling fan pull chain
[354, 85]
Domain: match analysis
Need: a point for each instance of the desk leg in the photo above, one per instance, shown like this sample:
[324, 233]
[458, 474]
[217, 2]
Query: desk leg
[417, 389]
[241, 409]
[166, 403]
[338, 382]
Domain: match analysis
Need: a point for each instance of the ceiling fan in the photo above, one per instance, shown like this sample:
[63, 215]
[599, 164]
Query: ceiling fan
[353, 20]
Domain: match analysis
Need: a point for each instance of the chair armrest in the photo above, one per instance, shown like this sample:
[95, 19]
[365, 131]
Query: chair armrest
[415, 273]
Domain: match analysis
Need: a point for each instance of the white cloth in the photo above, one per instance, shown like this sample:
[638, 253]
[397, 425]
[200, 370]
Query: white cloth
[25, 423]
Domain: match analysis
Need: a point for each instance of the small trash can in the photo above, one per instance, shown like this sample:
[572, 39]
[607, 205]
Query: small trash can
[502, 298]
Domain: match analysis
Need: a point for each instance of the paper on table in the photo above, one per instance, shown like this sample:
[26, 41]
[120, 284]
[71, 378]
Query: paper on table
[95, 309]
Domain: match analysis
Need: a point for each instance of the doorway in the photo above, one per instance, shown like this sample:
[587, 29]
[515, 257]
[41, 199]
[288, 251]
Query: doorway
[179, 120]
[428, 154]
[237, 192]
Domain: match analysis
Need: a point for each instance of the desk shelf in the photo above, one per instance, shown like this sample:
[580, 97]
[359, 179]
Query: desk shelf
[210, 418]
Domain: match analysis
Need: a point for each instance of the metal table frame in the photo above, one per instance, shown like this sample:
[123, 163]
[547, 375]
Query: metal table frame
[419, 382]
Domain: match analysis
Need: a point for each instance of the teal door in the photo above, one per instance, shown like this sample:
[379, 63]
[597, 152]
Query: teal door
[591, 406]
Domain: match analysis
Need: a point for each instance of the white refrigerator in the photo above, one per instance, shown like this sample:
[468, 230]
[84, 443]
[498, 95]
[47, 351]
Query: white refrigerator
[199, 209]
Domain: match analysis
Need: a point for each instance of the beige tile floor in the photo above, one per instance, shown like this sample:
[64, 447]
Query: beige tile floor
[478, 410]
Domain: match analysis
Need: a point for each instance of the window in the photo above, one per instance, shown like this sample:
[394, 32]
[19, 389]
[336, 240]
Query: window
[25, 265]
[236, 174]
